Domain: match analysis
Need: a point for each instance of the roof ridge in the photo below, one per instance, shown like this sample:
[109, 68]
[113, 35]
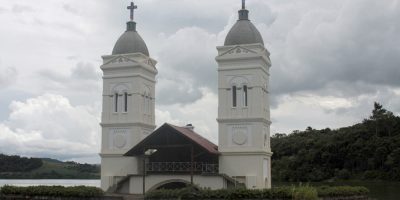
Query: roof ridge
[193, 132]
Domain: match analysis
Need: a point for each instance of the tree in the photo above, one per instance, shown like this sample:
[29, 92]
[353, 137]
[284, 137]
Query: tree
[370, 149]
[383, 120]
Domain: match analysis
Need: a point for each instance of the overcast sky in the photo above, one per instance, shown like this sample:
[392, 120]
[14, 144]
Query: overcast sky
[331, 60]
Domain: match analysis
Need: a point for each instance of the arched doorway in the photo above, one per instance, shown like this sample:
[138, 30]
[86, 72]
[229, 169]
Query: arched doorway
[171, 184]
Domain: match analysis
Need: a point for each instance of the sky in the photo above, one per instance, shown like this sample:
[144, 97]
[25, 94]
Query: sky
[331, 60]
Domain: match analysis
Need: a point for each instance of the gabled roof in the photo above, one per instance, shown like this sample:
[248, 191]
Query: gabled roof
[184, 132]
[195, 137]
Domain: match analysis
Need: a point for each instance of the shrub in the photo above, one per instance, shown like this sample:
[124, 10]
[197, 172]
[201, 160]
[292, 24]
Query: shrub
[343, 174]
[341, 191]
[373, 175]
[230, 194]
[289, 193]
[52, 191]
[305, 193]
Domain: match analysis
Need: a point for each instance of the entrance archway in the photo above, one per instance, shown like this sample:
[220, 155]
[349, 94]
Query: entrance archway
[171, 184]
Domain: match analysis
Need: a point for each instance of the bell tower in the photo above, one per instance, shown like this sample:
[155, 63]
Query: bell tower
[243, 105]
[128, 113]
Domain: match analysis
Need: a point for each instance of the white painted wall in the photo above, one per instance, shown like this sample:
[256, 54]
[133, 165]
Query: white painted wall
[244, 131]
[250, 166]
[153, 181]
[135, 75]
[115, 167]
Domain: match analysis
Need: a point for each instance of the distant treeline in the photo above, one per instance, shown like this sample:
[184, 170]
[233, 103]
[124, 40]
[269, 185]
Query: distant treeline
[52, 174]
[18, 164]
[16, 167]
[84, 168]
[367, 150]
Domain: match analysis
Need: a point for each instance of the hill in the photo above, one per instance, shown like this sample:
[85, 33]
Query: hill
[367, 150]
[16, 167]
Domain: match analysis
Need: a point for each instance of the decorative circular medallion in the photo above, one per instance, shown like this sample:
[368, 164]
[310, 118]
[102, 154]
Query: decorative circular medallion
[239, 137]
[119, 141]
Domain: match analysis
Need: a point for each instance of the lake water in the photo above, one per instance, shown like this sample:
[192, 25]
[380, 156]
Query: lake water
[380, 190]
[94, 183]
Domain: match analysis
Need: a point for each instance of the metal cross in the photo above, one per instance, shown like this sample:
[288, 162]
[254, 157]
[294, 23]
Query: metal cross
[243, 4]
[132, 8]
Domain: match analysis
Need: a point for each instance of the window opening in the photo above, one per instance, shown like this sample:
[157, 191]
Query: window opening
[245, 96]
[234, 97]
[145, 103]
[116, 102]
[148, 105]
[126, 102]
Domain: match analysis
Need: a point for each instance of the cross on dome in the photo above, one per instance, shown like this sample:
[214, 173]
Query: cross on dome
[132, 8]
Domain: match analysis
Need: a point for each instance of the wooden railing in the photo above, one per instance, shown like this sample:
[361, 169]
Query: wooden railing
[182, 167]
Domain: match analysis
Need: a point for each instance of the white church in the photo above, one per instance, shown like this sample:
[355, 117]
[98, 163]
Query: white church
[137, 158]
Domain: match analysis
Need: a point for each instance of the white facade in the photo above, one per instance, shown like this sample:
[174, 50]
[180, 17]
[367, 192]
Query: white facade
[128, 112]
[152, 182]
[244, 114]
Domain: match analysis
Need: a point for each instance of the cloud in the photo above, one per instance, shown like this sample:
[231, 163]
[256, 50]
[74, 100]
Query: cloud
[86, 71]
[21, 8]
[338, 44]
[70, 8]
[7, 76]
[331, 61]
[202, 113]
[192, 67]
[82, 84]
[49, 125]
[301, 109]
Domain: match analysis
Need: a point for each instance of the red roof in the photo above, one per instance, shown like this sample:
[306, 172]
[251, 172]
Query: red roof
[197, 138]
[184, 131]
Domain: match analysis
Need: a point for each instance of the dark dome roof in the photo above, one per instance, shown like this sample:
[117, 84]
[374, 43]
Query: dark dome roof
[130, 42]
[243, 32]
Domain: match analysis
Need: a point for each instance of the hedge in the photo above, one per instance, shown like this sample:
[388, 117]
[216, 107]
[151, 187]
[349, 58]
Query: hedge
[292, 193]
[341, 191]
[52, 191]
[275, 193]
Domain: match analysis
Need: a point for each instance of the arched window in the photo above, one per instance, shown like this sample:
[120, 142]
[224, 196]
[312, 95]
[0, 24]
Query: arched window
[149, 105]
[245, 96]
[145, 102]
[119, 103]
[116, 102]
[125, 102]
[146, 108]
[234, 96]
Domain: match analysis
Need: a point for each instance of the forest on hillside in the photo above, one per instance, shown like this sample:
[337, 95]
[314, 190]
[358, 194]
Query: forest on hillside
[18, 164]
[367, 150]
[17, 167]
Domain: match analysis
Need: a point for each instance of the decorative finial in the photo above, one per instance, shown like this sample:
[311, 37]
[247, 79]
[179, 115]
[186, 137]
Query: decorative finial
[132, 8]
[243, 13]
